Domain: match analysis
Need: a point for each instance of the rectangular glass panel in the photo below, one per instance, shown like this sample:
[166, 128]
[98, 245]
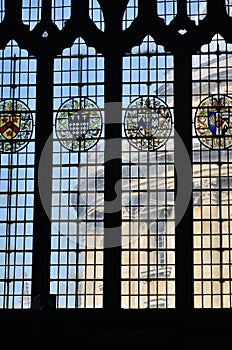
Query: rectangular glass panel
[17, 116]
[212, 130]
[148, 233]
[76, 272]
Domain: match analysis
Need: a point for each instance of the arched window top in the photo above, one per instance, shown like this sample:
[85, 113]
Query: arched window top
[216, 45]
[148, 46]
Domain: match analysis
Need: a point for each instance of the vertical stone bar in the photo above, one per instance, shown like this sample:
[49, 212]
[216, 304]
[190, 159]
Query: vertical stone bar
[42, 223]
[181, 8]
[13, 10]
[79, 9]
[216, 8]
[113, 148]
[46, 10]
[184, 229]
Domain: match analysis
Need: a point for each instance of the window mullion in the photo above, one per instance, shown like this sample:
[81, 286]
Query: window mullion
[184, 229]
[42, 224]
[112, 217]
[46, 10]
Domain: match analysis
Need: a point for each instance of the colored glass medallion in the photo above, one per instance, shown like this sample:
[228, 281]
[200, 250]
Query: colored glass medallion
[16, 125]
[78, 124]
[148, 123]
[213, 122]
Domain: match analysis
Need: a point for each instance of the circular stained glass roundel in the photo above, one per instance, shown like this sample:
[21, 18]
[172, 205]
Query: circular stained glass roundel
[148, 123]
[213, 122]
[78, 124]
[16, 125]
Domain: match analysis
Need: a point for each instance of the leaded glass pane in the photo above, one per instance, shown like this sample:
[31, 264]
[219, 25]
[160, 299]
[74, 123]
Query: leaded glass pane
[76, 272]
[211, 175]
[148, 229]
[31, 12]
[17, 147]
[61, 11]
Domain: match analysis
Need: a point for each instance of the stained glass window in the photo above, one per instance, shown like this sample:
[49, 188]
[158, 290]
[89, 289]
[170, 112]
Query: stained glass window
[115, 161]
